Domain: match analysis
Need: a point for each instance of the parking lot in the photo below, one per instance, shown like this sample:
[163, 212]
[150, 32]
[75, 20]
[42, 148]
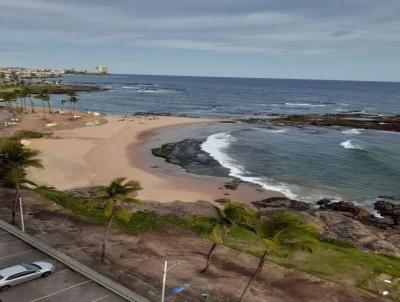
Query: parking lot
[64, 285]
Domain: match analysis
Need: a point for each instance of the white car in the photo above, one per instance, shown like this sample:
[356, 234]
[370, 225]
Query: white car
[23, 272]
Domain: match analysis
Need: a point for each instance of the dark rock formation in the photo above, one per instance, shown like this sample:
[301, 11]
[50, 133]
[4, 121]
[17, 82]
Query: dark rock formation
[359, 213]
[387, 209]
[222, 200]
[232, 185]
[352, 120]
[389, 197]
[323, 201]
[281, 203]
[189, 155]
[64, 89]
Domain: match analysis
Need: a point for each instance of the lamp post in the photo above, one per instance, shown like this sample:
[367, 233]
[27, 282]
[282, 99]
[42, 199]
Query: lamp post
[166, 269]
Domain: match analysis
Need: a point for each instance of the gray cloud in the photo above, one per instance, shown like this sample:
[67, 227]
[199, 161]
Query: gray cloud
[285, 27]
[341, 33]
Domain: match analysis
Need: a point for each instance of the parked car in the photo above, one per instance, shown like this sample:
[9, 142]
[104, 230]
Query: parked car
[24, 272]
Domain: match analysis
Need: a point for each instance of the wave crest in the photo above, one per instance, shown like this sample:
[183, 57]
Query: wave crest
[349, 144]
[216, 145]
[352, 131]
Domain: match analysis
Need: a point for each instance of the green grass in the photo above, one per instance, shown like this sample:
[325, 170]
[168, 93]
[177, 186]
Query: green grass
[139, 222]
[335, 260]
[24, 134]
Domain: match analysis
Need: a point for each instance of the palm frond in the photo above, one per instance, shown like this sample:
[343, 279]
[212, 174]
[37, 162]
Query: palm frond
[123, 214]
[218, 234]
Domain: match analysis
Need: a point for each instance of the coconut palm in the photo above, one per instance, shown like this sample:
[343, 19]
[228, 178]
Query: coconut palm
[44, 97]
[24, 93]
[73, 99]
[62, 105]
[27, 92]
[15, 159]
[6, 99]
[113, 200]
[233, 214]
[14, 98]
[16, 94]
[285, 231]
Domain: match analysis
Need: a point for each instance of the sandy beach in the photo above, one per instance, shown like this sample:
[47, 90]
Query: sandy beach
[94, 155]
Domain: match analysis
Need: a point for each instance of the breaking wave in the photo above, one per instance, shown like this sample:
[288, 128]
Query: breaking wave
[349, 144]
[352, 131]
[216, 146]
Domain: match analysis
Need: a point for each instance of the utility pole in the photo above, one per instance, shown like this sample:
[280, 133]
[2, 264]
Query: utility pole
[21, 214]
[164, 280]
[166, 269]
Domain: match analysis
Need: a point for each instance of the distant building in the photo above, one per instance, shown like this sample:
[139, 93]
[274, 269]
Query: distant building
[101, 69]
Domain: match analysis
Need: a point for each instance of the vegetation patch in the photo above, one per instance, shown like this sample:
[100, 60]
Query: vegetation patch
[333, 259]
[26, 134]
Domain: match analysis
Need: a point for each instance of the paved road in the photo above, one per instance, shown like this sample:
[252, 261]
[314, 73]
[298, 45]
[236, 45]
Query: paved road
[64, 285]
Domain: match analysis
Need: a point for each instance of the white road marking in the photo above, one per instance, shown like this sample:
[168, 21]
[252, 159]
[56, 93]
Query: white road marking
[99, 299]
[60, 291]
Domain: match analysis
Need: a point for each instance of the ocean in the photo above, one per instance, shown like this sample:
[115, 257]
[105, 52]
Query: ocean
[307, 163]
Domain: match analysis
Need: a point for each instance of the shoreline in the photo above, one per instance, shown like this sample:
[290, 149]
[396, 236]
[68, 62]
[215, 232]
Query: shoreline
[76, 160]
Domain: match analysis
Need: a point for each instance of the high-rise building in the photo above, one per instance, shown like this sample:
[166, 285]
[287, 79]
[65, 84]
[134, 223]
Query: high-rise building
[101, 69]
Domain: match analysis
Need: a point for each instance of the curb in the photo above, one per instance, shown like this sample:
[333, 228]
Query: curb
[89, 273]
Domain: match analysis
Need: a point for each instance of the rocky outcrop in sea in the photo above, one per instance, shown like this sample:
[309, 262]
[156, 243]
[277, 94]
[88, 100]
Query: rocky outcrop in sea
[189, 155]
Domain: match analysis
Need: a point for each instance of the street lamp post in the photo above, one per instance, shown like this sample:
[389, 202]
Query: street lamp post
[166, 269]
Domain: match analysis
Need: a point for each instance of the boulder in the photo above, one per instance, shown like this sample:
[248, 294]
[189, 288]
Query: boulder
[358, 213]
[387, 209]
[281, 203]
[323, 201]
[222, 200]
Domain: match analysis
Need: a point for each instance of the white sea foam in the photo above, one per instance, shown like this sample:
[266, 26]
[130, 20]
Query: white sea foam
[352, 131]
[216, 145]
[153, 90]
[304, 105]
[129, 87]
[272, 130]
[349, 144]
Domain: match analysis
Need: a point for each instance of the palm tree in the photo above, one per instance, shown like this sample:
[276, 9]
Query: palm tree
[285, 231]
[62, 105]
[14, 98]
[113, 199]
[231, 215]
[6, 98]
[25, 92]
[44, 97]
[73, 99]
[15, 159]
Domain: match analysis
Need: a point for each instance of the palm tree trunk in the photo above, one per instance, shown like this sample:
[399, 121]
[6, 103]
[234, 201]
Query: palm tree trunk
[255, 274]
[44, 110]
[48, 105]
[70, 109]
[208, 258]
[73, 111]
[103, 249]
[15, 208]
[32, 105]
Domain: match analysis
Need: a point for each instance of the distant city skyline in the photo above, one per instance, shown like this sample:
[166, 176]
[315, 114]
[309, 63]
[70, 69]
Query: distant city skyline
[304, 39]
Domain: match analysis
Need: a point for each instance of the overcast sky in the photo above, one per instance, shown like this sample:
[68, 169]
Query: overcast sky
[320, 39]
